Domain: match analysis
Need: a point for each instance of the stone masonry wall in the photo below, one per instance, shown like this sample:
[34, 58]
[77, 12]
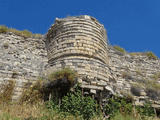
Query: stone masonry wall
[21, 60]
[81, 44]
[137, 69]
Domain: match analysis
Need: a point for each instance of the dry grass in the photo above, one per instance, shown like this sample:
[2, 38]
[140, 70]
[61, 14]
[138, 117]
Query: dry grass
[120, 49]
[23, 110]
[3, 29]
[136, 53]
[32, 112]
[149, 54]
[67, 73]
[33, 93]
[6, 91]
[40, 112]
[23, 33]
[139, 72]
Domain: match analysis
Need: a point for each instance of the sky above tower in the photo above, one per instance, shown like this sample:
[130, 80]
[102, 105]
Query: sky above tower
[132, 24]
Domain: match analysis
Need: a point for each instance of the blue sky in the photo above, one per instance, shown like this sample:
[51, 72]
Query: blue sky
[132, 24]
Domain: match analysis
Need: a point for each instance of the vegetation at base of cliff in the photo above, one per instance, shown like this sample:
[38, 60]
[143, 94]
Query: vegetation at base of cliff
[6, 91]
[76, 106]
[24, 33]
[120, 49]
[72, 105]
[33, 93]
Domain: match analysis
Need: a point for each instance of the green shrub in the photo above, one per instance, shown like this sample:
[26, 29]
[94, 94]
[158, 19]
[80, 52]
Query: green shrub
[67, 73]
[3, 29]
[78, 105]
[118, 105]
[118, 48]
[123, 107]
[151, 55]
[146, 110]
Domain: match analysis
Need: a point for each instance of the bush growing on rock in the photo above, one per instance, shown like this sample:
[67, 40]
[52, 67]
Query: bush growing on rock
[6, 91]
[33, 93]
[57, 85]
[3, 29]
[67, 73]
[151, 55]
[23, 33]
[76, 104]
[118, 105]
[118, 48]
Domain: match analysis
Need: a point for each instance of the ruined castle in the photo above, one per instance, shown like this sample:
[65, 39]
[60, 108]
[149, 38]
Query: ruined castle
[79, 43]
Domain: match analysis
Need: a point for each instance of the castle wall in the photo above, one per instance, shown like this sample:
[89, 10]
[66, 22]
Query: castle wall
[136, 69]
[21, 60]
[79, 43]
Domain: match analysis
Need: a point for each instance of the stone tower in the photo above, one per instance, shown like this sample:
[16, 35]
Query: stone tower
[81, 44]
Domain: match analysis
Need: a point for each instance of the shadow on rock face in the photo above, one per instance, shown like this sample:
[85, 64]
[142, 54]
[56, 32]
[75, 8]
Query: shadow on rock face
[58, 87]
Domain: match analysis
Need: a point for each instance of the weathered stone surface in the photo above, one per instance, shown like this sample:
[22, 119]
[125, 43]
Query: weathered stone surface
[81, 44]
[21, 61]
